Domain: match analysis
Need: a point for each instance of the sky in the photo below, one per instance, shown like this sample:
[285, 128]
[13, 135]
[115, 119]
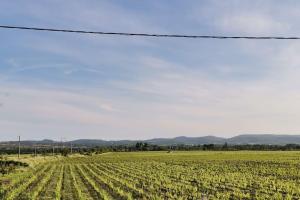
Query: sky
[71, 86]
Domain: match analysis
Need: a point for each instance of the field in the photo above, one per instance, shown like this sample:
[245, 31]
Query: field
[159, 175]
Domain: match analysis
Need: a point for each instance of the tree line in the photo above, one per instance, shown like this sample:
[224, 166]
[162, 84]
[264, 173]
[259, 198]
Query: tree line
[142, 146]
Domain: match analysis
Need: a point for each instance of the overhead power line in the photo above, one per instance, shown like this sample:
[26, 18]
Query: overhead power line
[151, 34]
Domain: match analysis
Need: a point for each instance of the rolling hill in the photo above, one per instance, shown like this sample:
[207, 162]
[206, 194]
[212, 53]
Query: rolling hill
[240, 139]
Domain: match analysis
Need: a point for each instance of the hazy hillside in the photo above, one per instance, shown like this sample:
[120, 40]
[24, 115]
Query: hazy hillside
[187, 140]
[265, 139]
[240, 139]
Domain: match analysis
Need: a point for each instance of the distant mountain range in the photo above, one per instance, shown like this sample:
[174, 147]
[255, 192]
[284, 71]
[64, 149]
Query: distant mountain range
[240, 139]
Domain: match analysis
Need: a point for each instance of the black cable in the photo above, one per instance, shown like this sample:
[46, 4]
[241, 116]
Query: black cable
[152, 35]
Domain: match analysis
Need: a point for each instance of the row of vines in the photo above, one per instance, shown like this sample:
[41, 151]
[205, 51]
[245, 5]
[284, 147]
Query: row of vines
[160, 176]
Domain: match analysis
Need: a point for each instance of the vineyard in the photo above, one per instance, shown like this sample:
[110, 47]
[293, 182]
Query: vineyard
[159, 175]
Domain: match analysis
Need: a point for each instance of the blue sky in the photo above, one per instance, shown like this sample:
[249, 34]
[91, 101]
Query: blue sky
[57, 85]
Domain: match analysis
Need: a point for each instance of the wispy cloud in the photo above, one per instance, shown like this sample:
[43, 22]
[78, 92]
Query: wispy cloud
[250, 23]
[117, 88]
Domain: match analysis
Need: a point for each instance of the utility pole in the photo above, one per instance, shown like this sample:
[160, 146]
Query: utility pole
[53, 150]
[61, 144]
[19, 147]
[71, 148]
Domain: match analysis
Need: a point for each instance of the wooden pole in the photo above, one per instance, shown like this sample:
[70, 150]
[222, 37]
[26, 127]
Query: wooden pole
[19, 152]
[71, 148]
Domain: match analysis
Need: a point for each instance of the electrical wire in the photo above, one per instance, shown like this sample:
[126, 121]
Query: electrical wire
[150, 34]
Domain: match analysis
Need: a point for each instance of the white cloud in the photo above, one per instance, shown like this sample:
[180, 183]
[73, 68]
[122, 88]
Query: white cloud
[153, 88]
[43, 104]
[250, 23]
